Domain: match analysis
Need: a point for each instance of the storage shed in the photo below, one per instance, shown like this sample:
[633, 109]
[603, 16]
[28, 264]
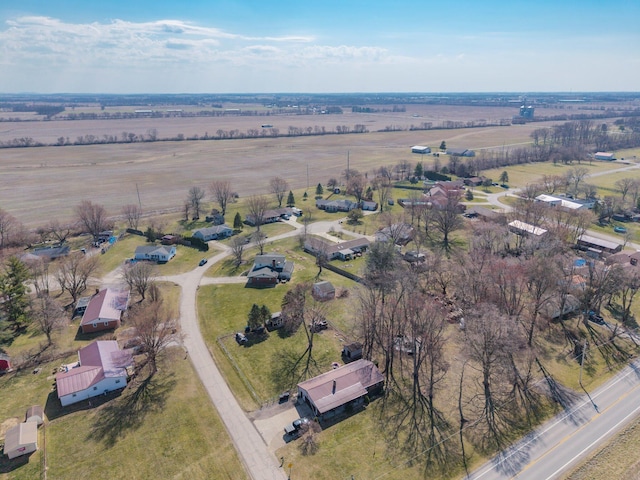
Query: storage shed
[21, 440]
[35, 414]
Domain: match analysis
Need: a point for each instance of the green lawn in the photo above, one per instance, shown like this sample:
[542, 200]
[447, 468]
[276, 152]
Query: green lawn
[172, 431]
[521, 175]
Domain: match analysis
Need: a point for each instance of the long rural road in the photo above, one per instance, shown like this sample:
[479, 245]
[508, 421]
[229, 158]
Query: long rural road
[562, 442]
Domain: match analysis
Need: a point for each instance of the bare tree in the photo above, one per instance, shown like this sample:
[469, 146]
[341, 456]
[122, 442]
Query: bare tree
[490, 337]
[156, 328]
[446, 219]
[257, 205]
[627, 290]
[260, 239]
[356, 184]
[40, 274]
[48, 314]
[577, 175]
[222, 194]
[139, 276]
[59, 231]
[237, 249]
[132, 213]
[92, 217]
[196, 194]
[382, 186]
[8, 226]
[625, 184]
[74, 272]
[279, 187]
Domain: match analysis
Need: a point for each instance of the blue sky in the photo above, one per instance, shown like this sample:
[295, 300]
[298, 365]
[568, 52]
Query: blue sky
[205, 46]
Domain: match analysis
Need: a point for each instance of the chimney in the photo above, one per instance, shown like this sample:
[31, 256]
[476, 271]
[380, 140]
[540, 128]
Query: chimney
[334, 388]
[273, 264]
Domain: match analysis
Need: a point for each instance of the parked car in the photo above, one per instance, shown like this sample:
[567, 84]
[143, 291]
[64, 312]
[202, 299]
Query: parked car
[595, 318]
[295, 426]
[620, 229]
[202, 262]
[241, 338]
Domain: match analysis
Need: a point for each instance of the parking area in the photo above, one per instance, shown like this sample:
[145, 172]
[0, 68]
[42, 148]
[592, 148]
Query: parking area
[270, 422]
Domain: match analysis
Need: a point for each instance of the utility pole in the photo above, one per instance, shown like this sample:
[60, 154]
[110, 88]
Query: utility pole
[584, 348]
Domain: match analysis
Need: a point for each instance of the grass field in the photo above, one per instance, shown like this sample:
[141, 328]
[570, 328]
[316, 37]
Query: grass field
[165, 430]
[614, 459]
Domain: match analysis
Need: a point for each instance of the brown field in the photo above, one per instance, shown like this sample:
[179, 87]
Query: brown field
[48, 132]
[37, 184]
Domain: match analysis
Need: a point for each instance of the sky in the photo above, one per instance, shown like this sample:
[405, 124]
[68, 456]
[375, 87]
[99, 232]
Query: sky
[322, 46]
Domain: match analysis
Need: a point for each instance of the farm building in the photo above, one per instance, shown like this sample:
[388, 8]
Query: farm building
[102, 369]
[21, 440]
[609, 157]
[104, 310]
[330, 393]
[460, 152]
[213, 233]
[420, 149]
[323, 291]
[155, 253]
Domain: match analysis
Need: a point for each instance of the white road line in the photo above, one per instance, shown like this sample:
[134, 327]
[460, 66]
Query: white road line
[593, 443]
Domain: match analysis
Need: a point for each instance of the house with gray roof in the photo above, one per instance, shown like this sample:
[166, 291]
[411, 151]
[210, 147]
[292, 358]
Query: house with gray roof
[216, 232]
[155, 253]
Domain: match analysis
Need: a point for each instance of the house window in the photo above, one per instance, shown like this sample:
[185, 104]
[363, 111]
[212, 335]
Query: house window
[73, 395]
[95, 388]
[95, 325]
[117, 381]
[106, 324]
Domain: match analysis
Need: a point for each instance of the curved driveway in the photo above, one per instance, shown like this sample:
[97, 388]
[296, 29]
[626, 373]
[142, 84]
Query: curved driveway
[252, 450]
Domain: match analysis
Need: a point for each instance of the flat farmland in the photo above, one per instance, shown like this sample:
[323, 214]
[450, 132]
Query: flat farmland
[40, 183]
[48, 132]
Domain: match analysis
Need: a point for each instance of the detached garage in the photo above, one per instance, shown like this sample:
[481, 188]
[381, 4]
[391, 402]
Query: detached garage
[21, 440]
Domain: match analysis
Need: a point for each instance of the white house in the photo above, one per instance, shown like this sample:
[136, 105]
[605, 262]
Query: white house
[213, 233]
[156, 253]
[102, 369]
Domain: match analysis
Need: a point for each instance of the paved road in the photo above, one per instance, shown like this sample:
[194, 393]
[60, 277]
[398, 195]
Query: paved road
[561, 443]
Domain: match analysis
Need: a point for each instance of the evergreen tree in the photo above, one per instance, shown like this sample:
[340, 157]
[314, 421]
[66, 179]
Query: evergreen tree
[291, 201]
[443, 146]
[419, 171]
[469, 195]
[319, 189]
[237, 221]
[305, 196]
[265, 314]
[254, 318]
[13, 294]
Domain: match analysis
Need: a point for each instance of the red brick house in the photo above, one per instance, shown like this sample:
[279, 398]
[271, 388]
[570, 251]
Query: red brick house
[104, 310]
